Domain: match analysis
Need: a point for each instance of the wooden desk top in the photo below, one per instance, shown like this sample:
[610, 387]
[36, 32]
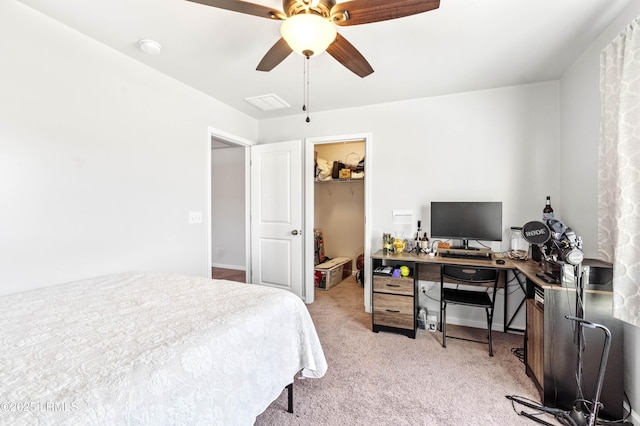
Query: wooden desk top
[425, 258]
[528, 268]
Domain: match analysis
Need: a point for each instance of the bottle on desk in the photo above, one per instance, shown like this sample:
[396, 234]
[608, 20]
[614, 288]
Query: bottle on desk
[547, 212]
[424, 242]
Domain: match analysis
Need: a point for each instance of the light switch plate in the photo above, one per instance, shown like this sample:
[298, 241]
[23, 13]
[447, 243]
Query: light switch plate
[402, 217]
[195, 217]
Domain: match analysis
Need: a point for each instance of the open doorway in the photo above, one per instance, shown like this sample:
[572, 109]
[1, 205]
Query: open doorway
[228, 211]
[337, 208]
[338, 211]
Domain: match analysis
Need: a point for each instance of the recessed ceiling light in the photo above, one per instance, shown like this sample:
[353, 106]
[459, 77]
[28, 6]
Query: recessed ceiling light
[150, 47]
[267, 102]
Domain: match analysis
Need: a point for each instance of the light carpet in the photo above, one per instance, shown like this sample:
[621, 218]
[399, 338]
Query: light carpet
[389, 379]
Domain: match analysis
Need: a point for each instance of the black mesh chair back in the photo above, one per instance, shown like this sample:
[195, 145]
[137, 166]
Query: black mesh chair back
[485, 279]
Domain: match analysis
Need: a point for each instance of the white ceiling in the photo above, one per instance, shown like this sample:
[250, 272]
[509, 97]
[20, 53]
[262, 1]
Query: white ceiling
[462, 46]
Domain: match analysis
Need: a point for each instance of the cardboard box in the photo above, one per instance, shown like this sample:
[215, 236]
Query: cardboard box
[332, 272]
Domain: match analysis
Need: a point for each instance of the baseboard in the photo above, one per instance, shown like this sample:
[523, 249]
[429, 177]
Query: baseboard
[236, 267]
[474, 324]
[634, 417]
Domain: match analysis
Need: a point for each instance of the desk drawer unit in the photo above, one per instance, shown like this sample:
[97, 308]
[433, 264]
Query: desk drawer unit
[394, 307]
[391, 285]
[393, 310]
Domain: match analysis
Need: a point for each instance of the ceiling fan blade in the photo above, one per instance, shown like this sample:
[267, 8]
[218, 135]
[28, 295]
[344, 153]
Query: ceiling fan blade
[367, 11]
[244, 7]
[274, 56]
[347, 55]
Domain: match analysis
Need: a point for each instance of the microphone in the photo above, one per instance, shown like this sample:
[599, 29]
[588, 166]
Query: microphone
[567, 249]
[536, 232]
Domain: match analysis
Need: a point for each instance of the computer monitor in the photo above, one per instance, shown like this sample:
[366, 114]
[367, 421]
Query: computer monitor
[466, 220]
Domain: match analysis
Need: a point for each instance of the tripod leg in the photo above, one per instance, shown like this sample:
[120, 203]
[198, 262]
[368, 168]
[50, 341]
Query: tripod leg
[535, 419]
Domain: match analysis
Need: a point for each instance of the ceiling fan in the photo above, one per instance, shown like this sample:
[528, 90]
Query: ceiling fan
[309, 26]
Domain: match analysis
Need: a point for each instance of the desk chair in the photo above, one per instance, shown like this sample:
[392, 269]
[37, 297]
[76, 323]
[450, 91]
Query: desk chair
[483, 278]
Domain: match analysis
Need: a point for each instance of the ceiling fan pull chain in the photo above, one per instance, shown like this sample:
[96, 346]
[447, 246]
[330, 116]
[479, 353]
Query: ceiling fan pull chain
[304, 84]
[305, 106]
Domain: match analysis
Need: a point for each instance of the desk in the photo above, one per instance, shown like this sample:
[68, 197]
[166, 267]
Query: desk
[550, 354]
[386, 318]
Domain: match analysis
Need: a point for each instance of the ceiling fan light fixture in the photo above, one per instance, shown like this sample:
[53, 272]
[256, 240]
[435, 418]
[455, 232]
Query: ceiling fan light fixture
[308, 34]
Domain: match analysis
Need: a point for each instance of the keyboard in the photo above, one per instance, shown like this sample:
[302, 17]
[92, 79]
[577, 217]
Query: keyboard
[472, 256]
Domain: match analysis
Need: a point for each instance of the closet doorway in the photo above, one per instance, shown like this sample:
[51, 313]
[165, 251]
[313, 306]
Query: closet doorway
[339, 205]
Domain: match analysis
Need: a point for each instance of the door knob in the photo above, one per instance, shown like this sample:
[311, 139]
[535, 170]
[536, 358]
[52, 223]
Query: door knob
[295, 232]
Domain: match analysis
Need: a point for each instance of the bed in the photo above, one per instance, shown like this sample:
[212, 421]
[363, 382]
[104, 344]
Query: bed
[142, 348]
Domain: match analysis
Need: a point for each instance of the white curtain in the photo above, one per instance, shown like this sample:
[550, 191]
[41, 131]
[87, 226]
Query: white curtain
[619, 170]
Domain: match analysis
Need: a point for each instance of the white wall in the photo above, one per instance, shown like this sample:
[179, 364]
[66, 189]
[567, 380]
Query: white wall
[101, 159]
[495, 145]
[580, 133]
[228, 234]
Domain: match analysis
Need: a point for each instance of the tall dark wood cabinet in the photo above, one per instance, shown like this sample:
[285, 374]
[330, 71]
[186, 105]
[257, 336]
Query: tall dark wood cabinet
[551, 349]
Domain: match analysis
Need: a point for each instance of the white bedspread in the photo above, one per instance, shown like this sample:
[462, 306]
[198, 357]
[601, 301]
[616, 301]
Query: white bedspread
[151, 349]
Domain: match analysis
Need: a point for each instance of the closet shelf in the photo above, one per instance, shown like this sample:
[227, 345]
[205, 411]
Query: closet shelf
[339, 180]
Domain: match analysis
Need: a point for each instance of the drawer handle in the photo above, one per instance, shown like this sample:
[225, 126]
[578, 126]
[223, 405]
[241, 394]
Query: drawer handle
[393, 285]
[393, 310]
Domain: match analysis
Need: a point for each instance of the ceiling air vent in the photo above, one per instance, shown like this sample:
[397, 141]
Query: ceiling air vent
[267, 102]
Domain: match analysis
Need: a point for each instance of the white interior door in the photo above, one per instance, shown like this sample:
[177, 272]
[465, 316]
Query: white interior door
[276, 215]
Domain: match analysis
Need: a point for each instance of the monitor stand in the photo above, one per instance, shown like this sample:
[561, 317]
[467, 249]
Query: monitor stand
[465, 246]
